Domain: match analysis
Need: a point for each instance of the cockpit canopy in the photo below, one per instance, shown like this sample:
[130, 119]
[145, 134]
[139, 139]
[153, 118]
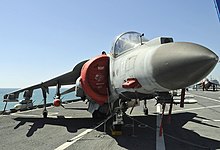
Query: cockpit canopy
[126, 41]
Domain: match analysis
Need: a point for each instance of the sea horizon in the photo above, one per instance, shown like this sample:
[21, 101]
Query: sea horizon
[37, 97]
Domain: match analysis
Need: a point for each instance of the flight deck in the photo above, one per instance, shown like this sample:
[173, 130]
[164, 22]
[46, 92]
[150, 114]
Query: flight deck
[196, 126]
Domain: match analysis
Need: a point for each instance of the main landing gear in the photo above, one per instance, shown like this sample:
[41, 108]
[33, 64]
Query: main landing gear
[117, 122]
[120, 111]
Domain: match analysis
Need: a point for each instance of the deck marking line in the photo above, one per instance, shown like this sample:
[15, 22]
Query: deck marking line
[26, 115]
[160, 145]
[38, 116]
[212, 99]
[197, 108]
[215, 120]
[73, 140]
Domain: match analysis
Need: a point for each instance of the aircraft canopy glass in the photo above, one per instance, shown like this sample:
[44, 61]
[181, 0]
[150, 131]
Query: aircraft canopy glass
[126, 41]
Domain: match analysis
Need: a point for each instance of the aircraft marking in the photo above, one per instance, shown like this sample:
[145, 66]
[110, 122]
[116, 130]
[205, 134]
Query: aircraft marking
[73, 140]
[160, 145]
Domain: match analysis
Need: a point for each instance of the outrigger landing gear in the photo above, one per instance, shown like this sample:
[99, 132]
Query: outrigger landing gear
[145, 109]
[45, 113]
[44, 91]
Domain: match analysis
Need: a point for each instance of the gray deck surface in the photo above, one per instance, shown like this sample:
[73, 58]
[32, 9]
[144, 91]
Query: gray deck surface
[197, 126]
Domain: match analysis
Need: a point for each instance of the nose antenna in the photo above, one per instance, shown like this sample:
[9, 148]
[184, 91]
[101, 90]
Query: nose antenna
[141, 38]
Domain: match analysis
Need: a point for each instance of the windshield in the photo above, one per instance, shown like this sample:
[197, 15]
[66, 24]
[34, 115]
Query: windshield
[126, 41]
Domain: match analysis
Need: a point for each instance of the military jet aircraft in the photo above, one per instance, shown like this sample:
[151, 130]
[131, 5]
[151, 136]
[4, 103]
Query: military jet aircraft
[135, 69]
[206, 84]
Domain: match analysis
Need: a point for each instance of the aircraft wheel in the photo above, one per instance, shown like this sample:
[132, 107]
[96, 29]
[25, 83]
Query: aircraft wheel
[146, 111]
[45, 114]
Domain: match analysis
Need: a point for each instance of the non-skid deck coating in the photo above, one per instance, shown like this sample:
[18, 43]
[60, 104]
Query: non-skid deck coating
[197, 126]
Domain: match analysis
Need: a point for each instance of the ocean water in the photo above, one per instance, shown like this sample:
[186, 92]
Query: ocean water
[37, 97]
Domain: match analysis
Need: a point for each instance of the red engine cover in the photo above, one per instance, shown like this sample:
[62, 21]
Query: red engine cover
[94, 78]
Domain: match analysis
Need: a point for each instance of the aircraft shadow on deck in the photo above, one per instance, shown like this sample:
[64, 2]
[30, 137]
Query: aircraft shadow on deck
[71, 124]
[175, 135]
[139, 137]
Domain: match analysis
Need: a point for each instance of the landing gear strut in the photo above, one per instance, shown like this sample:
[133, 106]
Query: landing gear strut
[45, 113]
[118, 122]
[163, 99]
[145, 109]
[170, 111]
[44, 92]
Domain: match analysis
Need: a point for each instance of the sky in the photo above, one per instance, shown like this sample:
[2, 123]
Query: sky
[42, 39]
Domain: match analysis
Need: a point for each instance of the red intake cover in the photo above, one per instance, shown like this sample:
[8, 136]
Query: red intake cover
[94, 78]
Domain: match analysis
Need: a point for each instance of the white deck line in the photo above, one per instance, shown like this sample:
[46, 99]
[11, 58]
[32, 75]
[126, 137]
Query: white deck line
[197, 108]
[160, 145]
[73, 140]
[212, 99]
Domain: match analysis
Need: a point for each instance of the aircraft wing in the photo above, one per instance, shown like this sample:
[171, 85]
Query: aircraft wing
[215, 82]
[65, 79]
[72, 89]
[199, 84]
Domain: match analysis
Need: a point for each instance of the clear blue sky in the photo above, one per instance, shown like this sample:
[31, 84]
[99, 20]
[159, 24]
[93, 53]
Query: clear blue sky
[44, 38]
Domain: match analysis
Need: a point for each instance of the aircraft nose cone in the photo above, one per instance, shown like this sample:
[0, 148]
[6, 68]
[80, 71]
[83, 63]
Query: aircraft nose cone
[178, 65]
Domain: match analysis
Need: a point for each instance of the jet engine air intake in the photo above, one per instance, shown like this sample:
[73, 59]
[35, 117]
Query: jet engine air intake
[94, 78]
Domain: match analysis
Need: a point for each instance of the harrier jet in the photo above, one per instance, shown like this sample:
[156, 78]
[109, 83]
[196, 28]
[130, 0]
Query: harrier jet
[135, 69]
[206, 84]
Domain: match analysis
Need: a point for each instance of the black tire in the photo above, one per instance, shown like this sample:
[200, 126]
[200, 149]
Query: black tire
[45, 114]
[146, 111]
